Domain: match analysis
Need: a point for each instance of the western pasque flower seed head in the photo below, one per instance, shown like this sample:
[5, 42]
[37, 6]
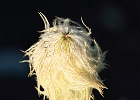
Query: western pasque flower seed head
[64, 62]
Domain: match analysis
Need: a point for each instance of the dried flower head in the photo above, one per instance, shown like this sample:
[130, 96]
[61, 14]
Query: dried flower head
[65, 64]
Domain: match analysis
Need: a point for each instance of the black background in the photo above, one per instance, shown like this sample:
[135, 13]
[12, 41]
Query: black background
[115, 25]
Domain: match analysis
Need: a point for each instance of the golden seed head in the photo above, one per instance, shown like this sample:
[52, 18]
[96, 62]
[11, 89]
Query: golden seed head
[65, 64]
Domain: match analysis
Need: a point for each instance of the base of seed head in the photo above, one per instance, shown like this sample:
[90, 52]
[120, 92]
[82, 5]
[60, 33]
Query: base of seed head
[65, 64]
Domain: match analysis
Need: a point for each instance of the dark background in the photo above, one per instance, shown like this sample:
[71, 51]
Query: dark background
[115, 25]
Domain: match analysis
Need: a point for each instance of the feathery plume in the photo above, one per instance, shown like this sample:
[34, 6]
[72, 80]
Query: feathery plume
[64, 62]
